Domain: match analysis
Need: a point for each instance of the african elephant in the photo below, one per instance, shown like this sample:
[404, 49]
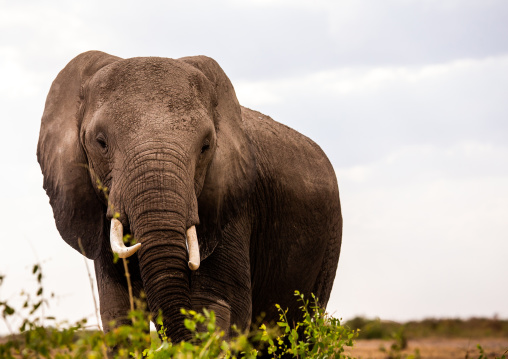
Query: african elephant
[233, 211]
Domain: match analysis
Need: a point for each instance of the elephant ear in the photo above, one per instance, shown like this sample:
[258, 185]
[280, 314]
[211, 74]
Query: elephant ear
[77, 209]
[232, 172]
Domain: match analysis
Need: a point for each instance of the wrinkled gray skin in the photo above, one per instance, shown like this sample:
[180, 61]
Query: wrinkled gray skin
[175, 149]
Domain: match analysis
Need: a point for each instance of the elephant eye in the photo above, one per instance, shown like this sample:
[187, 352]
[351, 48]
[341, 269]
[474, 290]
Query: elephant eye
[204, 148]
[102, 142]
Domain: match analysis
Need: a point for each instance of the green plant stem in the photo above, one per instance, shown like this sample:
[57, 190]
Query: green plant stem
[129, 285]
[202, 352]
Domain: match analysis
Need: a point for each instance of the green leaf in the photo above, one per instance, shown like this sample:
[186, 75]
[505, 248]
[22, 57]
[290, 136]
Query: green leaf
[224, 346]
[35, 307]
[8, 310]
[190, 324]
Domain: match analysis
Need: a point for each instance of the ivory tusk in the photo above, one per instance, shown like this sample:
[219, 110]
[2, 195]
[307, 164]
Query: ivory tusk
[193, 248]
[116, 240]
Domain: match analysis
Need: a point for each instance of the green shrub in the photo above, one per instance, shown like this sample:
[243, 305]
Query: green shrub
[317, 335]
[372, 328]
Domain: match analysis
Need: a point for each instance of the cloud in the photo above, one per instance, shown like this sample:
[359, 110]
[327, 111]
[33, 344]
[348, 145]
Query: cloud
[46, 36]
[360, 114]
[260, 39]
[16, 80]
[418, 164]
[424, 228]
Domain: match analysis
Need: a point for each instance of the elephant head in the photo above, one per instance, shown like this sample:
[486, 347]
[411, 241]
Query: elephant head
[165, 138]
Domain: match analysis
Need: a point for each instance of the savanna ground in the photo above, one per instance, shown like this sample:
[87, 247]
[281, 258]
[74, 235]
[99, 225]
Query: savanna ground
[433, 348]
[430, 338]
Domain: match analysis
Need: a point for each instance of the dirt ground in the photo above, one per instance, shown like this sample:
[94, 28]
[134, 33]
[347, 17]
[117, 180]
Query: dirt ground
[434, 348]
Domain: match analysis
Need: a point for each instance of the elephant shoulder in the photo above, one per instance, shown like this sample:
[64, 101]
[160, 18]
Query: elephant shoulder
[288, 157]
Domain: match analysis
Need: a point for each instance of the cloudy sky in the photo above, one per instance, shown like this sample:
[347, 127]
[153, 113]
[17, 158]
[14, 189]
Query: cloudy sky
[407, 98]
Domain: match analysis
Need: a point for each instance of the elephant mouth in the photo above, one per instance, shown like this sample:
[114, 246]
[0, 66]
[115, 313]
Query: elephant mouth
[118, 245]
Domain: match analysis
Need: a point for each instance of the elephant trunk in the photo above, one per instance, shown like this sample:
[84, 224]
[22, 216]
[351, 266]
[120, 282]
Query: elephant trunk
[159, 201]
[165, 275]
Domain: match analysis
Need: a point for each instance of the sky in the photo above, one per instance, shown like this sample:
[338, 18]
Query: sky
[407, 98]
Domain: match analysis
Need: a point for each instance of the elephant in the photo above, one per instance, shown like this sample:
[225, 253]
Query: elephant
[232, 211]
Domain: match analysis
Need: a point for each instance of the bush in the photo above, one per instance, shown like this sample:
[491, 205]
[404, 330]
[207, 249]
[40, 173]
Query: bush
[317, 335]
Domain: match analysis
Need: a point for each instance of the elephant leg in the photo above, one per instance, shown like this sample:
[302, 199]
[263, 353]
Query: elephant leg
[113, 289]
[221, 309]
[223, 281]
[231, 304]
[323, 285]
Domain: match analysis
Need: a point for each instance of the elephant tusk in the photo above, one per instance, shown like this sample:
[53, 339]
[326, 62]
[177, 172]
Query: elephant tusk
[193, 248]
[116, 240]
